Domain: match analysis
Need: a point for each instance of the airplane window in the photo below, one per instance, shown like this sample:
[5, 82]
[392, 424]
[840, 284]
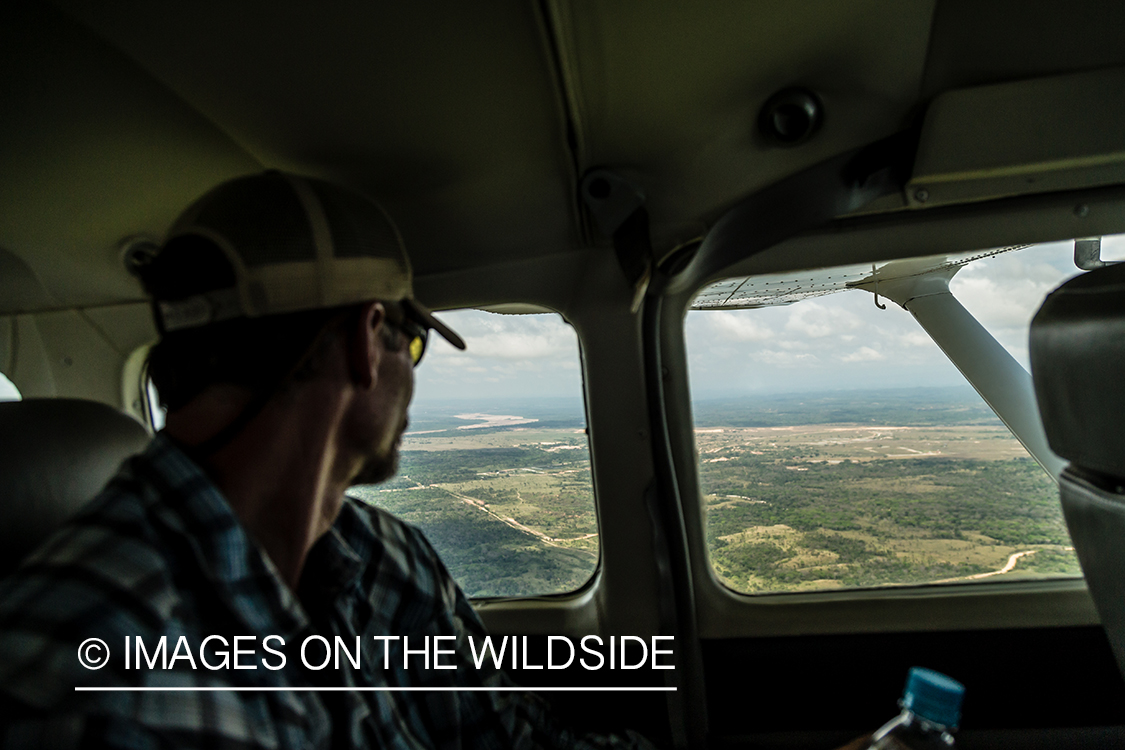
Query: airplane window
[495, 465]
[839, 448]
[8, 390]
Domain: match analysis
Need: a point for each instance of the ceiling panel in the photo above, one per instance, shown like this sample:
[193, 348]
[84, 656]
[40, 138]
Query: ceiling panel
[447, 112]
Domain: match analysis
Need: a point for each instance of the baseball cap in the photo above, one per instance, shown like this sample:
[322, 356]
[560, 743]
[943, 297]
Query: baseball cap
[294, 243]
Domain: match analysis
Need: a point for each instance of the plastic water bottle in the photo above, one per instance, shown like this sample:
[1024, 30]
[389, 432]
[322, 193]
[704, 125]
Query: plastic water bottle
[931, 711]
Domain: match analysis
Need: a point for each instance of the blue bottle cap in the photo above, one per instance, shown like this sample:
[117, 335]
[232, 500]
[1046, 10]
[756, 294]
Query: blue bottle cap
[933, 696]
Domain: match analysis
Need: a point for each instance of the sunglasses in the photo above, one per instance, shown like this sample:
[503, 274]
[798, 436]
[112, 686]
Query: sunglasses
[417, 335]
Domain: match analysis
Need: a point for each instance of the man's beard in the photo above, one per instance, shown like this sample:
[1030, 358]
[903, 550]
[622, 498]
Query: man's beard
[378, 468]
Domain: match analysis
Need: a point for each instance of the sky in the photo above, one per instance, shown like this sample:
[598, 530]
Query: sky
[837, 342]
[843, 342]
[513, 356]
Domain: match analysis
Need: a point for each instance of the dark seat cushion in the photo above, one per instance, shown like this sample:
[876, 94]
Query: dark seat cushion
[55, 455]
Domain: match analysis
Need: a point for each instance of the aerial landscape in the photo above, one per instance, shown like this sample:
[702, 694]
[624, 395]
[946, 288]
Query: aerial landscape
[871, 489]
[801, 492]
[502, 491]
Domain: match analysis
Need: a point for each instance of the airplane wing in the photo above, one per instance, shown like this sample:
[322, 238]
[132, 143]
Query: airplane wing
[771, 290]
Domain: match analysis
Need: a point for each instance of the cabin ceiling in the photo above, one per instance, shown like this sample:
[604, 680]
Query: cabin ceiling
[471, 122]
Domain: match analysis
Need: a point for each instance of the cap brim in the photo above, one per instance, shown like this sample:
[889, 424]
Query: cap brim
[426, 318]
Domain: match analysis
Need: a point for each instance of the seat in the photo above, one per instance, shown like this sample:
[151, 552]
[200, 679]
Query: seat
[1078, 366]
[55, 455]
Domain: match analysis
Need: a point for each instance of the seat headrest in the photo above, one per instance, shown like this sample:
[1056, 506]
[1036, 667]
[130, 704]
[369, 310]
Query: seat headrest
[1078, 366]
[55, 455]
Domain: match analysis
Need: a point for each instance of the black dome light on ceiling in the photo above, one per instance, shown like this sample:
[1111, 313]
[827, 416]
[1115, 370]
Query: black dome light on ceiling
[791, 116]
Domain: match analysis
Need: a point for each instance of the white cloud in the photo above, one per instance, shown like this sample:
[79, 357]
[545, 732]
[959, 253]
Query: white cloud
[785, 359]
[818, 319]
[1004, 292]
[733, 326]
[863, 354]
[916, 338]
[507, 355]
[518, 346]
[799, 344]
[511, 337]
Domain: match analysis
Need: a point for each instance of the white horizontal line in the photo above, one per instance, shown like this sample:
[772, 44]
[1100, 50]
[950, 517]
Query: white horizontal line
[373, 689]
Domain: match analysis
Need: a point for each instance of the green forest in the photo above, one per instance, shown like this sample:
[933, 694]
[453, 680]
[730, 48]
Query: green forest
[880, 522]
[800, 492]
[550, 493]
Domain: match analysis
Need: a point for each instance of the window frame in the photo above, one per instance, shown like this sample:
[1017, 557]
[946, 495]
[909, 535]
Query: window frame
[722, 613]
[963, 337]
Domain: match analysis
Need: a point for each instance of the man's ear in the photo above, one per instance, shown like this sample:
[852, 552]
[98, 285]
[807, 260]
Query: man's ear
[364, 346]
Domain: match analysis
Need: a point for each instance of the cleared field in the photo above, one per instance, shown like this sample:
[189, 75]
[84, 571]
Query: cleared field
[822, 506]
[512, 437]
[836, 442]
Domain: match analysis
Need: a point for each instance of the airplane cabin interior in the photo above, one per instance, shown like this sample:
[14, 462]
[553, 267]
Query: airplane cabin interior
[660, 178]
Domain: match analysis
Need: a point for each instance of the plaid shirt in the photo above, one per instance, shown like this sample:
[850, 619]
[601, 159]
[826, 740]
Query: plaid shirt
[161, 553]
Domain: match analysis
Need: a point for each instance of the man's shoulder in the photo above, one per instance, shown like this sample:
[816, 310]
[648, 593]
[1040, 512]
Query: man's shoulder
[400, 558]
[388, 529]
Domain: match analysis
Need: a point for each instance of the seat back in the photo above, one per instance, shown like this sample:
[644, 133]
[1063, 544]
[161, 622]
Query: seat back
[1078, 366]
[55, 455]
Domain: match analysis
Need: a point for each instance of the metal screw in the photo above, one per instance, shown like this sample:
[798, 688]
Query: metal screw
[921, 195]
[1081, 210]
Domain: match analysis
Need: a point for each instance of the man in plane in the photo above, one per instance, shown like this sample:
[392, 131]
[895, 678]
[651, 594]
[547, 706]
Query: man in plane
[226, 558]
